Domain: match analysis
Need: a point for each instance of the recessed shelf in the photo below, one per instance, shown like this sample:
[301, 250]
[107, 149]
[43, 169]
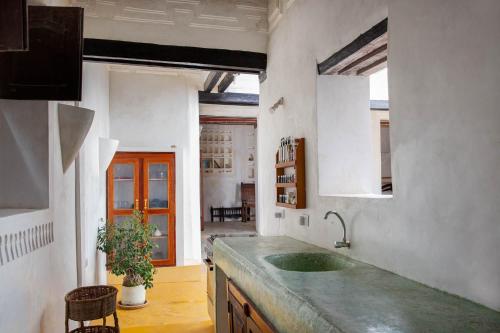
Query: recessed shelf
[286, 184]
[286, 205]
[282, 165]
[216, 151]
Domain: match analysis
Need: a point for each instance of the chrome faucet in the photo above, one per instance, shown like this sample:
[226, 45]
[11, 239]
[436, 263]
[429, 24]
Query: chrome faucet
[344, 242]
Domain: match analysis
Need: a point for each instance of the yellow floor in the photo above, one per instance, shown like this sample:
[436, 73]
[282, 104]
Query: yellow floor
[176, 304]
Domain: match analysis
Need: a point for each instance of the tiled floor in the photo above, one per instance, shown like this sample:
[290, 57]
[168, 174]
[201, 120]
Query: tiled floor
[177, 303]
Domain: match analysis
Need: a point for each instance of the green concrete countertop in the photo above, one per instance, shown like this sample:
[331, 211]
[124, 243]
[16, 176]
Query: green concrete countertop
[358, 299]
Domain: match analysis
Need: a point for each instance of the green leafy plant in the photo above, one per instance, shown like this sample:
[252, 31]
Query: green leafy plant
[129, 248]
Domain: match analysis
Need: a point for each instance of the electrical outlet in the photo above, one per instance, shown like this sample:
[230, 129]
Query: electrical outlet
[304, 220]
[279, 214]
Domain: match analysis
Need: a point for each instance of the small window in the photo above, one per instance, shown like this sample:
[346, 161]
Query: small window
[354, 157]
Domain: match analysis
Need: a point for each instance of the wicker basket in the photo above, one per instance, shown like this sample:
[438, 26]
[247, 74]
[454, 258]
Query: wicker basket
[90, 303]
[96, 329]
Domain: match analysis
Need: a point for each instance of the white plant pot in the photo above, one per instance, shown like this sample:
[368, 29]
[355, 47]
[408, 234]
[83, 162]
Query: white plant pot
[133, 295]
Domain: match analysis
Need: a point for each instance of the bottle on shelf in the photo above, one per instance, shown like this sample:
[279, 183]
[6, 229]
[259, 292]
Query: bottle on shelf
[287, 149]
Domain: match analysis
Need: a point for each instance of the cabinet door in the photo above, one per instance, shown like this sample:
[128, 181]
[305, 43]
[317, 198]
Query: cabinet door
[236, 315]
[52, 67]
[243, 315]
[159, 205]
[252, 326]
[14, 25]
[123, 188]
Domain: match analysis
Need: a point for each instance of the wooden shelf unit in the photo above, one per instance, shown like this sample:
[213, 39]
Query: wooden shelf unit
[300, 177]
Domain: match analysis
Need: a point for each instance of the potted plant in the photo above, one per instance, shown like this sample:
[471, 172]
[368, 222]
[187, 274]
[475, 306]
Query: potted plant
[129, 248]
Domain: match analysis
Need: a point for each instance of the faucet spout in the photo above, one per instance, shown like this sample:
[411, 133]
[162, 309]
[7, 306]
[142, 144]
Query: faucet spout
[344, 242]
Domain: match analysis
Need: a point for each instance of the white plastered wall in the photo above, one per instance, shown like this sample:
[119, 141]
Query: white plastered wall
[95, 96]
[441, 228]
[36, 282]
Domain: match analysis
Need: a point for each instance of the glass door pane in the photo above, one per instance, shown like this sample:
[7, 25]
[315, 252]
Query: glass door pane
[159, 202]
[158, 185]
[119, 219]
[123, 185]
[161, 236]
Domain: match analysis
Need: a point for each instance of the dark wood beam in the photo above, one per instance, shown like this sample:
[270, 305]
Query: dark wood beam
[212, 79]
[377, 32]
[373, 67]
[228, 120]
[148, 54]
[353, 66]
[228, 98]
[225, 82]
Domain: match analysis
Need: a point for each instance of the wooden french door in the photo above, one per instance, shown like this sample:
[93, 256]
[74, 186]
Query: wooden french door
[146, 182]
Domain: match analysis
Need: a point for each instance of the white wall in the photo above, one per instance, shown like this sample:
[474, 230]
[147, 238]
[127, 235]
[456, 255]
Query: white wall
[231, 25]
[224, 190]
[345, 154]
[159, 112]
[95, 96]
[36, 282]
[441, 228]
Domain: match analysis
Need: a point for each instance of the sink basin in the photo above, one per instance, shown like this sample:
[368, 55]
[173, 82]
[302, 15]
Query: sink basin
[308, 262]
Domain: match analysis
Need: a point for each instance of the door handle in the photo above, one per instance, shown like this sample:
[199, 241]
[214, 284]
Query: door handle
[136, 204]
[146, 203]
[246, 309]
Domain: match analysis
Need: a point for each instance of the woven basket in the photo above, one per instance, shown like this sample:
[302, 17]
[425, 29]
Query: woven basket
[95, 329]
[90, 303]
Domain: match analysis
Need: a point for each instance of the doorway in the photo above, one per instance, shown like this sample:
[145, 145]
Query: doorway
[145, 182]
[228, 176]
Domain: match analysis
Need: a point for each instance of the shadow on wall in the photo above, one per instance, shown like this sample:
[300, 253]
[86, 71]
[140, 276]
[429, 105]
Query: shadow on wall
[24, 138]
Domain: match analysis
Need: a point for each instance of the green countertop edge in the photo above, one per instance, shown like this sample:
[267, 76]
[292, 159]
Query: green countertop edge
[290, 312]
[226, 257]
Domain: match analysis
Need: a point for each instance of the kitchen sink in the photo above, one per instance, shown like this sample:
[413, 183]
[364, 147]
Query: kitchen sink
[309, 262]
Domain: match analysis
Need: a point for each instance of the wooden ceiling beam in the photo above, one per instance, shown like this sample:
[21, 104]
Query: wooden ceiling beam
[149, 54]
[228, 98]
[372, 39]
[228, 120]
[225, 82]
[212, 79]
[373, 67]
[353, 67]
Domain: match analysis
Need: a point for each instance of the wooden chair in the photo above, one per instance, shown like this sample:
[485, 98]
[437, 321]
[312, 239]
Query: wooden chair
[247, 201]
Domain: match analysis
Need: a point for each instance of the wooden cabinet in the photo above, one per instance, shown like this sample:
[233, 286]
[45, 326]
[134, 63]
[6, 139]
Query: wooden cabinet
[146, 182]
[243, 316]
[291, 176]
[13, 25]
[52, 67]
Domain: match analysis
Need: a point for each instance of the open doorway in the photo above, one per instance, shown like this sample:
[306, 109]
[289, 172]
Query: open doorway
[228, 162]
[228, 176]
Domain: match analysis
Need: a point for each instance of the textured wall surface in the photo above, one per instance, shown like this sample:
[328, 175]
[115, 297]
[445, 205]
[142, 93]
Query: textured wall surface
[441, 228]
[235, 25]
